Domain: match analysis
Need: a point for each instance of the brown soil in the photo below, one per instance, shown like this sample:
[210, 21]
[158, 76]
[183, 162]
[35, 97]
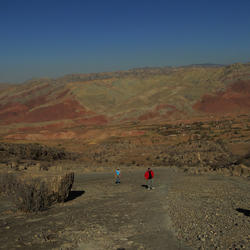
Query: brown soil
[98, 215]
[212, 213]
[102, 215]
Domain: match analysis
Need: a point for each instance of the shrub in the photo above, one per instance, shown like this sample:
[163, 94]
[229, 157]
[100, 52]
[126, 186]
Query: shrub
[36, 195]
[33, 197]
[8, 183]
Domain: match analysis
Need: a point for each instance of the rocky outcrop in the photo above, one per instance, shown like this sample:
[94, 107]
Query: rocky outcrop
[234, 170]
[240, 170]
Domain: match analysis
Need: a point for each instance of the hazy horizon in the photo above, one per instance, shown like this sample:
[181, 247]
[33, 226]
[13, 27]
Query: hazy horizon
[54, 38]
[72, 73]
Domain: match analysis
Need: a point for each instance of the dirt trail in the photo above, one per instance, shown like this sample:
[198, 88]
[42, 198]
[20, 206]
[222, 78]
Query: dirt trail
[99, 215]
[131, 216]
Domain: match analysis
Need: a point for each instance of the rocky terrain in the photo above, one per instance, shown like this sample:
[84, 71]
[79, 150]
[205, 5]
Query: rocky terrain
[205, 146]
[201, 193]
[66, 107]
[212, 213]
[190, 124]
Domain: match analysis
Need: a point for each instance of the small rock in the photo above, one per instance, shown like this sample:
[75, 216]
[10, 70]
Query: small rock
[123, 239]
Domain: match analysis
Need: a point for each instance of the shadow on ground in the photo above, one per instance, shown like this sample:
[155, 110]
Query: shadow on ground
[74, 194]
[246, 212]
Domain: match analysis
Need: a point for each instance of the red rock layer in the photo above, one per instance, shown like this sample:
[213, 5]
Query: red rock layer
[236, 99]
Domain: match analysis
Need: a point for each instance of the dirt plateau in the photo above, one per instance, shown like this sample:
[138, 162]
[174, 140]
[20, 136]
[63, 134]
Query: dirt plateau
[200, 201]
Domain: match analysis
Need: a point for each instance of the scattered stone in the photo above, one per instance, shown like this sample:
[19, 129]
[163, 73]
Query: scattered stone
[209, 206]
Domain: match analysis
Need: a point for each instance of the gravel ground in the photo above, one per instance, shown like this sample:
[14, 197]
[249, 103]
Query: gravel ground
[211, 212]
[183, 212]
[100, 215]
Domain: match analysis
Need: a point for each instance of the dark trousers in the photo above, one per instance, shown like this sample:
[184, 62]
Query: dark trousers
[118, 179]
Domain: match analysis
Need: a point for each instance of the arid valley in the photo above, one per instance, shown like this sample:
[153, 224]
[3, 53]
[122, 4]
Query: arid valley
[62, 139]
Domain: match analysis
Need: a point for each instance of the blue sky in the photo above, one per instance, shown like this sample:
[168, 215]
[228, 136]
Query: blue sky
[52, 38]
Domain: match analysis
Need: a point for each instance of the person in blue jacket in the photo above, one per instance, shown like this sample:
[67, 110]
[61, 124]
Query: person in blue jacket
[117, 176]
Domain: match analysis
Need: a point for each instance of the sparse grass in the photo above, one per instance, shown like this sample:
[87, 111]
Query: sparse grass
[28, 197]
[34, 195]
[8, 183]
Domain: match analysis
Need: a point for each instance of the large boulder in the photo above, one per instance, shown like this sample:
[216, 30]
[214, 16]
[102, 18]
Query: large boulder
[240, 170]
[60, 185]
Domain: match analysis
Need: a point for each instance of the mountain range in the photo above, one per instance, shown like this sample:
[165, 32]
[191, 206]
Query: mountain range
[143, 95]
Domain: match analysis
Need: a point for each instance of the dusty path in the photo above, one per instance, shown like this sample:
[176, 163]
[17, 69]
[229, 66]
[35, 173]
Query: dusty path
[129, 215]
[100, 215]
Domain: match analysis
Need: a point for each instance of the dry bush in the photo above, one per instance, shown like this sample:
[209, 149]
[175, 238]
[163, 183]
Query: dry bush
[59, 186]
[8, 183]
[36, 194]
[33, 151]
[32, 197]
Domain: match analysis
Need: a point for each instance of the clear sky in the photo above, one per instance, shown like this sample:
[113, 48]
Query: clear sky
[42, 38]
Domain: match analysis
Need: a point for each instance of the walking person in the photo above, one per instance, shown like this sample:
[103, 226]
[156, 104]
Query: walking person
[149, 175]
[117, 176]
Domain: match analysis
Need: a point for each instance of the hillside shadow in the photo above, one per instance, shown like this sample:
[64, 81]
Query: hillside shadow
[246, 212]
[74, 194]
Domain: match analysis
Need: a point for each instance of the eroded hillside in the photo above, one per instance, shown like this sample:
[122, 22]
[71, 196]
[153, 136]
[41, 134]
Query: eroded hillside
[66, 107]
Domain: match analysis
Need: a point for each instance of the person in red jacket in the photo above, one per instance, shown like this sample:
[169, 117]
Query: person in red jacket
[149, 175]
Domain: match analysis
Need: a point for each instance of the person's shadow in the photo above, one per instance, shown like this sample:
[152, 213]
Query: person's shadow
[74, 194]
[246, 212]
[144, 186]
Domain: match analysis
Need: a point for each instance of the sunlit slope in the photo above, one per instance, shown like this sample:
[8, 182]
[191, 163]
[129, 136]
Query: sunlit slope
[148, 94]
[162, 94]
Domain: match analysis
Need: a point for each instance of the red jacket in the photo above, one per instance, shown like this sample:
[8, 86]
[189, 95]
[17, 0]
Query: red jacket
[146, 175]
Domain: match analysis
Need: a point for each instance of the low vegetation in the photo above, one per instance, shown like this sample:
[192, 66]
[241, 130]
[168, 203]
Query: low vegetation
[197, 147]
[33, 151]
[36, 194]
